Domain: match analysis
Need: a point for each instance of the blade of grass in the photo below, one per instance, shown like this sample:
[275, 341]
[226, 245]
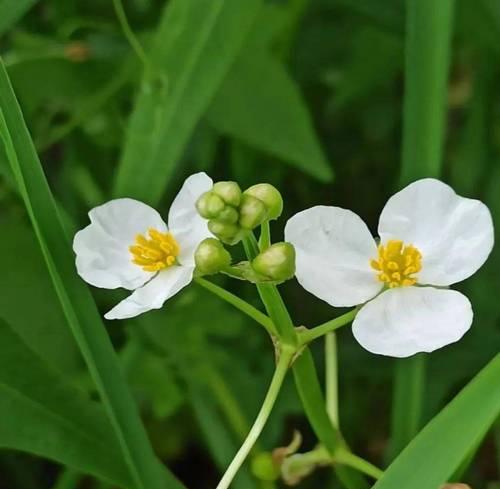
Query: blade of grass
[428, 36]
[77, 303]
[446, 441]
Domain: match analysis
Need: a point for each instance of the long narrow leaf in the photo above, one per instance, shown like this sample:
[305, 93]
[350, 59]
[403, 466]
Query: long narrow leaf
[447, 440]
[260, 104]
[76, 301]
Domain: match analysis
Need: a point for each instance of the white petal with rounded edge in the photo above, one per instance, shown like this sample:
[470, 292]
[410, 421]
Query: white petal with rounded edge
[407, 320]
[454, 234]
[334, 247]
[187, 226]
[154, 294]
[102, 251]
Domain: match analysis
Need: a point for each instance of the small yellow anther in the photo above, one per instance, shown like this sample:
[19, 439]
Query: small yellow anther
[155, 253]
[397, 263]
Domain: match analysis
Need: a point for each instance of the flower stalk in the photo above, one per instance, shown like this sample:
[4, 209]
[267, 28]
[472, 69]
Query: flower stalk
[240, 304]
[282, 366]
[308, 335]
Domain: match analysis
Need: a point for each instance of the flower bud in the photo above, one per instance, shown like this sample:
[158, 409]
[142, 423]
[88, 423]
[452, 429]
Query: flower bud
[209, 205]
[270, 196]
[253, 212]
[226, 232]
[229, 215]
[211, 257]
[229, 192]
[277, 263]
[264, 468]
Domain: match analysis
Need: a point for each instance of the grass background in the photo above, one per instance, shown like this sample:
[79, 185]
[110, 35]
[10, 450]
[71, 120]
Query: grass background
[305, 95]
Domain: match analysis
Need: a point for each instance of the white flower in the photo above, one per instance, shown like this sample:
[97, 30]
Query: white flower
[429, 237]
[127, 244]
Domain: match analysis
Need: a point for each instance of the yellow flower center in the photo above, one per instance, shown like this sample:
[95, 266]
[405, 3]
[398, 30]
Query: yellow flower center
[397, 264]
[156, 252]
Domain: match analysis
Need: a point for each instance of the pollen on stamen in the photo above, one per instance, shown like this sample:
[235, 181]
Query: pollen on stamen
[397, 264]
[155, 252]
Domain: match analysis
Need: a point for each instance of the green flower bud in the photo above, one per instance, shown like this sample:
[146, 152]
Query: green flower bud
[209, 205]
[226, 232]
[229, 215]
[277, 263]
[264, 468]
[211, 257]
[253, 212]
[229, 192]
[270, 196]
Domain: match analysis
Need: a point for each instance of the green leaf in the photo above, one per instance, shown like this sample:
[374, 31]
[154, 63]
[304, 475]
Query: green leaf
[261, 105]
[195, 45]
[46, 416]
[447, 440]
[11, 11]
[77, 303]
[24, 281]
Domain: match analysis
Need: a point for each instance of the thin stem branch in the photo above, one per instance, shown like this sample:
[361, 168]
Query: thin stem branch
[331, 368]
[240, 304]
[129, 33]
[358, 463]
[308, 335]
[265, 236]
[260, 421]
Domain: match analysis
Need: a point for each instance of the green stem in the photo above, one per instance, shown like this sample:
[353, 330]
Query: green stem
[265, 236]
[260, 421]
[331, 368]
[308, 335]
[358, 463]
[228, 404]
[129, 33]
[427, 53]
[407, 402]
[240, 304]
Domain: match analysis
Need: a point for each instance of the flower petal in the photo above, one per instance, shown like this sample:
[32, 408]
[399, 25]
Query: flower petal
[187, 226]
[154, 294]
[453, 233]
[334, 247]
[407, 320]
[102, 248]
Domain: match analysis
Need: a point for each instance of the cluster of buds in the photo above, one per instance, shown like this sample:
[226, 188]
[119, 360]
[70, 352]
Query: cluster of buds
[232, 213]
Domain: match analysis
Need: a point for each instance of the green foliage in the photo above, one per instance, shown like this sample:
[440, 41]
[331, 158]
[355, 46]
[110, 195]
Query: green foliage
[448, 439]
[11, 11]
[77, 304]
[193, 49]
[256, 84]
[49, 417]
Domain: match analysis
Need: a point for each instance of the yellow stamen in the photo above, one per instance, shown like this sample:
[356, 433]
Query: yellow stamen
[397, 263]
[155, 252]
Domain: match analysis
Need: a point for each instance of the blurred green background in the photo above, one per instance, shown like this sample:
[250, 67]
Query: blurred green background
[308, 99]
